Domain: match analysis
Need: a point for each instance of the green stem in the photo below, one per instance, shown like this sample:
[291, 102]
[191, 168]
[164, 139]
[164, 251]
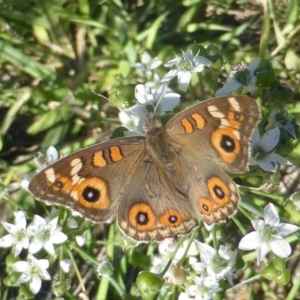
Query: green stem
[201, 86]
[252, 279]
[179, 244]
[192, 94]
[76, 270]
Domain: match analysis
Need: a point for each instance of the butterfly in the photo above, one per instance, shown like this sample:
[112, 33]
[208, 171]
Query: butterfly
[161, 184]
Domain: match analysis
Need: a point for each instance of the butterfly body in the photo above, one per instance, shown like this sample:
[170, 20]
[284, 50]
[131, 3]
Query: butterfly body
[160, 184]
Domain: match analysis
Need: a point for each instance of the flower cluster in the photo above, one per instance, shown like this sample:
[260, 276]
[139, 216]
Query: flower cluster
[212, 267]
[201, 278]
[40, 234]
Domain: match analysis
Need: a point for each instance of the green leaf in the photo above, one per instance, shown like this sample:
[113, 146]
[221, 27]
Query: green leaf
[122, 98]
[276, 270]
[49, 119]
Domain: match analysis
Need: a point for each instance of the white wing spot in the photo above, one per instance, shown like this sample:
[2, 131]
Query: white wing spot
[74, 195]
[76, 179]
[237, 134]
[214, 111]
[50, 175]
[225, 123]
[234, 104]
[76, 165]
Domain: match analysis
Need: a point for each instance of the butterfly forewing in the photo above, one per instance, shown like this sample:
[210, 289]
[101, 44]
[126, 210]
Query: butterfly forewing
[219, 129]
[91, 181]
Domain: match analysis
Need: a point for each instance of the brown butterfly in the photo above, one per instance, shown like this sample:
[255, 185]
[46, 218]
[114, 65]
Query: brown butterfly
[162, 183]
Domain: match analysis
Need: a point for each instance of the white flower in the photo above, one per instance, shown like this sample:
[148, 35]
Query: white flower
[269, 234]
[18, 236]
[162, 102]
[165, 251]
[204, 288]
[237, 79]
[45, 235]
[65, 265]
[147, 64]
[51, 157]
[262, 148]
[80, 240]
[72, 223]
[34, 271]
[185, 65]
[219, 264]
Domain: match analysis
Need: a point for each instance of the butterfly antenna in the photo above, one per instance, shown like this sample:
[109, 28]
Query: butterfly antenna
[161, 93]
[100, 95]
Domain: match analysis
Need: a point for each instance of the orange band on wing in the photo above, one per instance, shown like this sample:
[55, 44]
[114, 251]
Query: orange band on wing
[173, 218]
[205, 206]
[115, 153]
[188, 127]
[226, 142]
[92, 193]
[141, 217]
[218, 190]
[99, 160]
[200, 122]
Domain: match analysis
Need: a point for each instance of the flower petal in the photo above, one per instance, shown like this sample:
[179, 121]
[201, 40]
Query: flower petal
[35, 284]
[11, 228]
[184, 78]
[23, 278]
[250, 241]
[285, 229]
[168, 103]
[7, 241]
[51, 155]
[38, 221]
[58, 237]
[270, 139]
[35, 246]
[279, 159]
[48, 246]
[42, 263]
[267, 164]
[170, 75]
[21, 266]
[231, 85]
[207, 252]
[280, 247]
[65, 265]
[271, 216]
[20, 219]
[258, 224]
[262, 251]
[173, 61]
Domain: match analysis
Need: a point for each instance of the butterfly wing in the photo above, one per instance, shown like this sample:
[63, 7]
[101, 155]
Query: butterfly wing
[91, 181]
[153, 208]
[218, 129]
[213, 136]
[212, 194]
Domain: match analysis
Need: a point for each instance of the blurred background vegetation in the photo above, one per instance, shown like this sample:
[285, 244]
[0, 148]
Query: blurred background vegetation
[54, 54]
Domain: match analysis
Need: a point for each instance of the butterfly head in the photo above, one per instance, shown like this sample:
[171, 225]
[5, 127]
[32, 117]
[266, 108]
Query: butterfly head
[152, 125]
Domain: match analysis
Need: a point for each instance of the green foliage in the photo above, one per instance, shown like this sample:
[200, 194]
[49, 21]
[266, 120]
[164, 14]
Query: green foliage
[55, 54]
